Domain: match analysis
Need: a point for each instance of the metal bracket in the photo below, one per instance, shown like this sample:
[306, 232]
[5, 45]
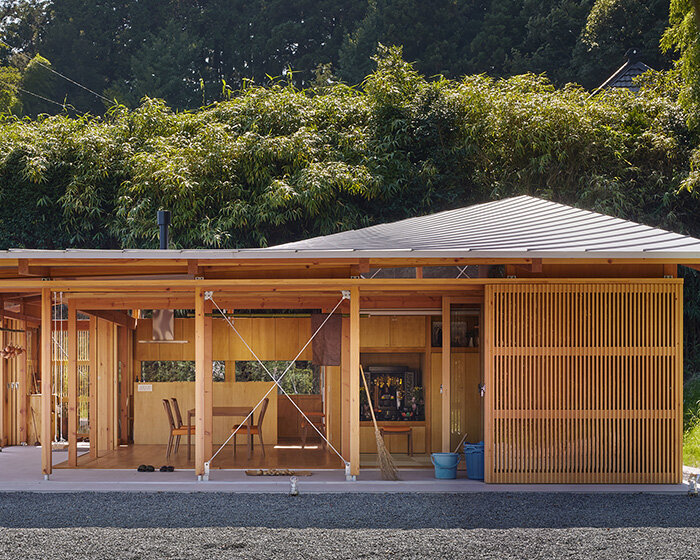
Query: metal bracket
[349, 477]
[346, 294]
[209, 296]
[199, 277]
[45, 279]
[205, 478]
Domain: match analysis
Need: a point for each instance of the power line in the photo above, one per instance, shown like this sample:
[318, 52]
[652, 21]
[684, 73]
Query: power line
[57, 73]
[62, 105]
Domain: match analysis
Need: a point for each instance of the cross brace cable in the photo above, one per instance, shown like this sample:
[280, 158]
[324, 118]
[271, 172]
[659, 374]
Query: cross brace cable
[277, 381]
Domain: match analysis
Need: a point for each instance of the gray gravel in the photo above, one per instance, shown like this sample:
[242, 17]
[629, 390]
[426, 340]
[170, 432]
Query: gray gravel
[129, 525]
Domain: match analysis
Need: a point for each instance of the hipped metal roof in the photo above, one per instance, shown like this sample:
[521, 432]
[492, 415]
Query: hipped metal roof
[519, 227]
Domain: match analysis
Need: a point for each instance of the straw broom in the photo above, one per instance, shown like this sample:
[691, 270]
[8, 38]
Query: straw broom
[384, 459]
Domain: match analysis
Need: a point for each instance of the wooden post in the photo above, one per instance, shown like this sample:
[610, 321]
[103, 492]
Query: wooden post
[202, 389]
[486, 349]
[92, 384]
[4, 401]
[124, 393]
[354, 381]
[208, 382]
[446, 362]
[345, 388]
[46, 375]
[72, 373]
[23, 392]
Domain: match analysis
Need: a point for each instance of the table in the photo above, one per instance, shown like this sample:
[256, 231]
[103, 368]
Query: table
[232, 411]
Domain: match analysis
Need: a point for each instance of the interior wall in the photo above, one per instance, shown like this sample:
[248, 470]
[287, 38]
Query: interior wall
[151, 423]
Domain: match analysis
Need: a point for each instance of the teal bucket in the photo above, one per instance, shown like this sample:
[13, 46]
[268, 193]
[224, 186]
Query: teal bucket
[445, 464]
[474, 459]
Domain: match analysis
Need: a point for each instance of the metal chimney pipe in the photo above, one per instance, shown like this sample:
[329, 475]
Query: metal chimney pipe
[163, 224]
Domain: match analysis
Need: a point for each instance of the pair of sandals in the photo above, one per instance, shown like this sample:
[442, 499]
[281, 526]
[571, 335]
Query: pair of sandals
[151, 468]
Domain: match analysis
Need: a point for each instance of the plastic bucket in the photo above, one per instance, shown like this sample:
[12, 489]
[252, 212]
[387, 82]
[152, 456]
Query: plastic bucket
[474, 458]
[445, 464]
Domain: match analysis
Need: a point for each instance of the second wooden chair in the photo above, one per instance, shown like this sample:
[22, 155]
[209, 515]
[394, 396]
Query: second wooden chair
[255, 429]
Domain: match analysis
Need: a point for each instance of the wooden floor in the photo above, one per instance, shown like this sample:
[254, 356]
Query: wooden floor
[280, 457]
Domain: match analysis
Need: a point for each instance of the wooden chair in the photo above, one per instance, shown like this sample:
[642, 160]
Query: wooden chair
[175, 432]
[318, 419]
[383, 430]
[179, 424]
[255, 429]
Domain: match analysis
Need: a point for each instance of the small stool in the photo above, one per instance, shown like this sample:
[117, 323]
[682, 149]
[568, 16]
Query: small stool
[399, 430]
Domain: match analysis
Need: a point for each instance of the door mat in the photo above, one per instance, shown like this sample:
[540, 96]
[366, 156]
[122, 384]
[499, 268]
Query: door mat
[277, 472]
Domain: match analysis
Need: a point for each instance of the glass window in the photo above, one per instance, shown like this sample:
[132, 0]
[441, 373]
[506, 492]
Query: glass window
[303, 378]
[177, 370]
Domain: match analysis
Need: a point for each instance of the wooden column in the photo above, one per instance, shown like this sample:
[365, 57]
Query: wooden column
[92, 384]
[23, 383]
[124, 383]
[46, 375]
[72, 373]
[208, 382]
[4, 400]
[345, 389]
[354, 381]
[202, 386]
[446, 361]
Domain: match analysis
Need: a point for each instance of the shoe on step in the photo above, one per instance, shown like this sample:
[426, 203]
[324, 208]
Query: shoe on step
[150, 468]
[171, 468]
[142, 468]
[163, 469]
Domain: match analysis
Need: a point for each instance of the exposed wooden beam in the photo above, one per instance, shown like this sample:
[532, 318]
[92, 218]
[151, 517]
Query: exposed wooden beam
[23, 317]
[25, 268]
[46, 392]
[180, 288]
[193, 269]
[118, 317]
[208, 382]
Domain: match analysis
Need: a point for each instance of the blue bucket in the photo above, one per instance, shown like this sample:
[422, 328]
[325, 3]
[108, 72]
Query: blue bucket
[445, 464]
[474, 458]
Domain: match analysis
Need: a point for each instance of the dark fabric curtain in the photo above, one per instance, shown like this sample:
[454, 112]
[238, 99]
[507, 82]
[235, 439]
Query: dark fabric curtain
[326, 345]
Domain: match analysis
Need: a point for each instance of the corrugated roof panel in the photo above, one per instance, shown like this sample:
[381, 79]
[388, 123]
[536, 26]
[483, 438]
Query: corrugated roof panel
[520, 224]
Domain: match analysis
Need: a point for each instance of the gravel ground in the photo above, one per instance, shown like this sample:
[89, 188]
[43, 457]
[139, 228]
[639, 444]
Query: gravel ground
[111, 525]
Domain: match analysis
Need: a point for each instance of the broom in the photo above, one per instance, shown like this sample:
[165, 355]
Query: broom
[384, 459]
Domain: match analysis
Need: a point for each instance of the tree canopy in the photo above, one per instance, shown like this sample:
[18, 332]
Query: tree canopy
[183, 52]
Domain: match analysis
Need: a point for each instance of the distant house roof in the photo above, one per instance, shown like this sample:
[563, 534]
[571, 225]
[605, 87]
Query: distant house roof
[624, 76]
[522, 225]
[519, 227]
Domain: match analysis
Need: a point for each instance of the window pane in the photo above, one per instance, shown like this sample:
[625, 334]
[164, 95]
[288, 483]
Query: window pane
[176, 370]
[303, 378]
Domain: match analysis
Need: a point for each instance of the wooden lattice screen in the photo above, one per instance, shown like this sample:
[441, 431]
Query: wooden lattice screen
[584, 381]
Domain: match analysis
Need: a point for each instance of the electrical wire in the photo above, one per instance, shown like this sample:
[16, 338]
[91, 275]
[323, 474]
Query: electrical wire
[72, 81]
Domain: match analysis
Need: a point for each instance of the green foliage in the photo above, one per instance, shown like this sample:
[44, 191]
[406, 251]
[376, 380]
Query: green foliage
[10, 79]
[40, 81]
[183, 51]
[614, 26]
[691, 422]
[303, 378]
[276, 164]
[176, 370]
[681, 37]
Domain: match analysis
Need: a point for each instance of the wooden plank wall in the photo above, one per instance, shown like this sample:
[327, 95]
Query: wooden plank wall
[584, 382]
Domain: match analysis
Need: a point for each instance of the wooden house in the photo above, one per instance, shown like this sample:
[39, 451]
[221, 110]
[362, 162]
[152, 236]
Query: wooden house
[551, 333]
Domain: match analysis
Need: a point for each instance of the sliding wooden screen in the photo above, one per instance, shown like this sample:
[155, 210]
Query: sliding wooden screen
[584, 381]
